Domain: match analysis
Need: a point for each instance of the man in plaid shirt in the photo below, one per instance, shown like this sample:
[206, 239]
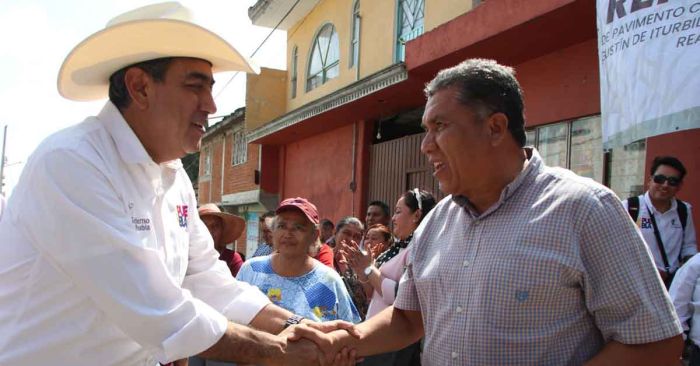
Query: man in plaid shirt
[522, 263]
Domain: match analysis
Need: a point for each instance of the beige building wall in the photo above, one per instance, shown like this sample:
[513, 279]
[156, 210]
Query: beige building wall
[377, 50]
[438, 12]
[376, 44]
[266, 96]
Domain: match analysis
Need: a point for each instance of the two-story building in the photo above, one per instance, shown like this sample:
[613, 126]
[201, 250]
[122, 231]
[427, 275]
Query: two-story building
[346, 129]
[229, 176]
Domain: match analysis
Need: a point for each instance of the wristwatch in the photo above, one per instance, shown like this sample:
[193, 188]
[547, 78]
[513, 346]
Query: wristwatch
[294, 319]
[368, 271]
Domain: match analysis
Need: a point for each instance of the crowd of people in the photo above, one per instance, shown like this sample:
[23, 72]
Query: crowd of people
[105, 260]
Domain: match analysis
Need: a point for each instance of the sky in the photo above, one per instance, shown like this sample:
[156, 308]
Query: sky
[36, 35]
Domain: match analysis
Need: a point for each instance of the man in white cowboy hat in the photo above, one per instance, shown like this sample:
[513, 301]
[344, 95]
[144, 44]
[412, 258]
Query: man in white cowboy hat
[224, 228]
[104, 260]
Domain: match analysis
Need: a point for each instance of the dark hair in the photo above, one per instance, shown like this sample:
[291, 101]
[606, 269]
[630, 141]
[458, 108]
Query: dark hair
[348, 220]
[427, 201]
[119, 94]
[670, 161]
[388, 236]
[325, 223]
[383, 206]
[486, 87]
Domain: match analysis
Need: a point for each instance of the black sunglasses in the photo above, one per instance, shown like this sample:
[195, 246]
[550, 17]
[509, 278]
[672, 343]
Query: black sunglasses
[660, 179]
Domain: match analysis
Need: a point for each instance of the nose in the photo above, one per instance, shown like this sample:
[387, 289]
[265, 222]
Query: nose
[208, 105]
[427, 144]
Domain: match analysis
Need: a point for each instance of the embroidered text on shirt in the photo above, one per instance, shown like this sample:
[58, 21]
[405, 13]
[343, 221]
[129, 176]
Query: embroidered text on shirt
[141, 224]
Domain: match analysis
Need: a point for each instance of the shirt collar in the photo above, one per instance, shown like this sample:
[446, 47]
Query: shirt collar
[650, 206]
[128, 144]
[533, 166]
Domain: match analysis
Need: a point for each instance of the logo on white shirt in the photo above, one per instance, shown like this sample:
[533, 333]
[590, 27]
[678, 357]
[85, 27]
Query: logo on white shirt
[182, 215]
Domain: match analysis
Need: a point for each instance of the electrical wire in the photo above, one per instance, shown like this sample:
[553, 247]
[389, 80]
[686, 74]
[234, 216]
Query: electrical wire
[256, 51]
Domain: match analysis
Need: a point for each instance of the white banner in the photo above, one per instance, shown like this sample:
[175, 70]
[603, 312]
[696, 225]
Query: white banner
[649, 58]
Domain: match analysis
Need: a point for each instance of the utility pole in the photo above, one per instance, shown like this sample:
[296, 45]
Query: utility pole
[2, 162]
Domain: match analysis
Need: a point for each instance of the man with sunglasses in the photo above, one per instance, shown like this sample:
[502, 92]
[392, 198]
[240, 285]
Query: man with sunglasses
[665, 221]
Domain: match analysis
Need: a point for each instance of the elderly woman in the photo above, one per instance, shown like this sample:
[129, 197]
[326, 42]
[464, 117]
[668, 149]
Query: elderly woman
[349, 230]
[378, 239]
[383, 274]
[290, 277]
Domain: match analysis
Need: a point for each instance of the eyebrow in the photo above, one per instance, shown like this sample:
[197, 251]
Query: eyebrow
[200, 76]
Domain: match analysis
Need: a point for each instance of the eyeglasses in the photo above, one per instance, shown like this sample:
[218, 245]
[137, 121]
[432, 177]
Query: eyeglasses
[416, 192]
[672, 181]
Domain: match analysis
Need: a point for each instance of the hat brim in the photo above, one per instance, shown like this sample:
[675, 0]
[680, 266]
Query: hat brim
[85, 72]
[232, 225]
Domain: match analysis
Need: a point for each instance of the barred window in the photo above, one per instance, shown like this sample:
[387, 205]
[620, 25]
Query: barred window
[207, 161]
[240, 147]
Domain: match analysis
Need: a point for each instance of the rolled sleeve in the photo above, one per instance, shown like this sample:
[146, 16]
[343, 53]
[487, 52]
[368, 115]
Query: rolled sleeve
[87, 236]
[621, 286]
[210, 280]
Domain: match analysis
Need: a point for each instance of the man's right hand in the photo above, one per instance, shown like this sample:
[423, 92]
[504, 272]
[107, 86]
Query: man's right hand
[320, 334]
[302, 352]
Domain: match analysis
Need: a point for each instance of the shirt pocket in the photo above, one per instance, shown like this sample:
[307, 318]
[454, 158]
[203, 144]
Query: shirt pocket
[530, 291]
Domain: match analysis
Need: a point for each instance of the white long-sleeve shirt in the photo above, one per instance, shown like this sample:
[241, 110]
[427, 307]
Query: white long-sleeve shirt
[685, 294]
[677, 242]
[103, 258]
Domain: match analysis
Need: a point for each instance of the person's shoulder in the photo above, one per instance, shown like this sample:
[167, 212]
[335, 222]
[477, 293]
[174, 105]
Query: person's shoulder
[259, 264]
[567, 183]
[81, 141]
[686, 203]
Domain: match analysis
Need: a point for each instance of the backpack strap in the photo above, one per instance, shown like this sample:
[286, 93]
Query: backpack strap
[682, 213]
[633, 207]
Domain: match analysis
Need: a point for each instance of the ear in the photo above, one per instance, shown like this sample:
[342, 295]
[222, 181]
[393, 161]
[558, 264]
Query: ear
[416, 215]
[497, 125]
[138, 84]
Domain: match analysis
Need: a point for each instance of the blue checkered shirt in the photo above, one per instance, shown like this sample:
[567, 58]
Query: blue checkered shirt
[546, 276]
[263, 249]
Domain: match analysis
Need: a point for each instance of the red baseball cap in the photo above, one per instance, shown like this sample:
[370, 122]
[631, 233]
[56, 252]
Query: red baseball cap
[302, 204]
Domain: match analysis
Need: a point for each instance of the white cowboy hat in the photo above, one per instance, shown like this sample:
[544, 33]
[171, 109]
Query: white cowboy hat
[147, 33]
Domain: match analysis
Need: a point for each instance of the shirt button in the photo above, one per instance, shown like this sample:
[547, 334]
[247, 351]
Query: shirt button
[465, 264]
[459, 309]
[454, 355]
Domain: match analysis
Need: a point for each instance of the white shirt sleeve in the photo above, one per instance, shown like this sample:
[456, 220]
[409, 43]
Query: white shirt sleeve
[682, 289]
[210, 279]
[389, 288]
[79, 223]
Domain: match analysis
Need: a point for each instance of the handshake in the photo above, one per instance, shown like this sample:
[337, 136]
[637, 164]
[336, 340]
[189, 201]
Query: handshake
[325, 343]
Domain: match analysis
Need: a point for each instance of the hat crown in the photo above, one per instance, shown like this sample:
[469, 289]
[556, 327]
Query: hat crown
[169, 10]
[208, 209]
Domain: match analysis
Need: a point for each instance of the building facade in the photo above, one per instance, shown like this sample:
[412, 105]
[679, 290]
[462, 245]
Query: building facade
[229, 176]
[346, 129]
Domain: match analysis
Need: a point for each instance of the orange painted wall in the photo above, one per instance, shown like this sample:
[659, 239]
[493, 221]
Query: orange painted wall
[320, 169]
[685, 145]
